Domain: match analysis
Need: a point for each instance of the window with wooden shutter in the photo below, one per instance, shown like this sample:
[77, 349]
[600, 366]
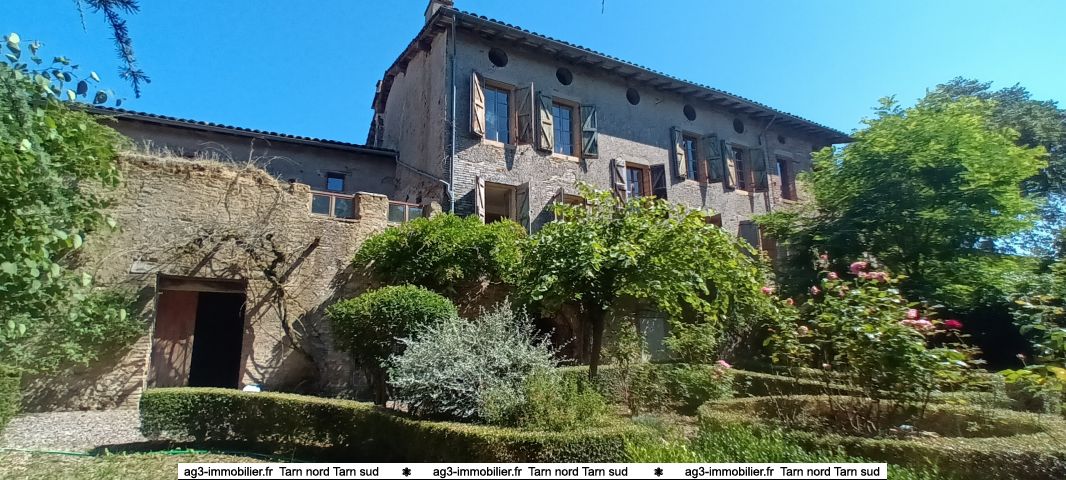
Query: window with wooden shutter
[545, 123]
[618, 179]
[477, 105]
[590, 135]
[479, 198]
[712, 151]
[729, 166]
[524, 101]
[760, 182]
[792, 171]
[677, 141]
[658, 181]
[522, 206]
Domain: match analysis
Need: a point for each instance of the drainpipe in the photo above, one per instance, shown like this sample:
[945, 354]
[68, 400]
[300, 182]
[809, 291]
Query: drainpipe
[766, 163]
[451, 153]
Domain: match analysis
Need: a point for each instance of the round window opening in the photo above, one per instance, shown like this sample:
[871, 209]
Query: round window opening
[690, 113]
[633, 96]
[738, 126]
[564, 76]
[498, 57]
[781, 139]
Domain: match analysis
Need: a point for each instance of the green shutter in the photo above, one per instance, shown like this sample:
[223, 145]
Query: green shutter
[524, 111]
[712, 151]
[477, 105]
[678, 149]
[545, 123]
[590, 135]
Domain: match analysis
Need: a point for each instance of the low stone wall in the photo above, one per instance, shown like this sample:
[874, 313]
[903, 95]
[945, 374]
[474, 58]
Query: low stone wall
[209, 220]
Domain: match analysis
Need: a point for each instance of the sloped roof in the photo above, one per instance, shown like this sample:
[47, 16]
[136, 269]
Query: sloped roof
[122, 113]
[491, 28]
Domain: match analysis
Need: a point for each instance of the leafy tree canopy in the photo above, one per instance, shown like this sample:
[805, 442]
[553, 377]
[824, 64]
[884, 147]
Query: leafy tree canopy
[919, 188]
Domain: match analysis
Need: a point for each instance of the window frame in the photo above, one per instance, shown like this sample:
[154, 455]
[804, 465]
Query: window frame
[745, 179]
[645, 179]
[786, 176]
[333, 196]
[336, 175]
[575, 128]
[692, 162]
[406, 211]
[512, 115]
[512, 200]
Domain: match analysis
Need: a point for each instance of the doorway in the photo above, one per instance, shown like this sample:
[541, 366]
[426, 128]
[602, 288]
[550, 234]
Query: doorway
[199, 333]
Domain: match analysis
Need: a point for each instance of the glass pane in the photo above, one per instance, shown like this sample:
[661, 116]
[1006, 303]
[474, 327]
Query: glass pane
[343, 208]
[320, 204]
[414, 212]
[396, 212]
[335, 183]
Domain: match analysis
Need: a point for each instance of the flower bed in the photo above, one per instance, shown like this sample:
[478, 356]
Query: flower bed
[969, 442]
[322, 428]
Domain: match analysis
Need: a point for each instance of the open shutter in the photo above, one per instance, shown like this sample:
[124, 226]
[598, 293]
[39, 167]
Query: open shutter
[793, 170]
[618, 179]
[522, 206]
[590, 135]
[477, 105]
[479, 198]
[712, 152]
[524, 109]
[545, 123]
[729, 165]
[658, 181]
[678, 152]
[758, 169]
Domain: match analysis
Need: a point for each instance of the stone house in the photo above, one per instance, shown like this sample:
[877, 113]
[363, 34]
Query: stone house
[508, 120]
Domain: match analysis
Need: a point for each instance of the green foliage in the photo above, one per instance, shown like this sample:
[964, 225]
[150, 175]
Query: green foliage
[1005, 444]
[448, 368]
[863, 333]
[1040, 314]
[331, 429]
[370, 326]
[918, 188]
[56, 162]
[647, 250]
[10, 396]
[547, 401]
[444, 253]
[661, 386]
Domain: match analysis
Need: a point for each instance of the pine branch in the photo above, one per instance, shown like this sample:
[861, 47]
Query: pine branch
[113, 11]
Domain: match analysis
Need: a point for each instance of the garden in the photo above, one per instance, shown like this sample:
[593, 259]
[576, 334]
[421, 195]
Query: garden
[861, 341]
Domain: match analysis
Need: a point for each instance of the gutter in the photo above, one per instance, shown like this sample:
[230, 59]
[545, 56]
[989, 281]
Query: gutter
[451, 154]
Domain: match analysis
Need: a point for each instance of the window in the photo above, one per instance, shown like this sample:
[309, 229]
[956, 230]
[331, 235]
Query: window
[497, 114]
[787, 177]
[715, 220]
[691, 157]
[499, 202]
[740, 162]
[334, 182]
[332, 205]
[400, 212]
[563, 124]
[637, 180]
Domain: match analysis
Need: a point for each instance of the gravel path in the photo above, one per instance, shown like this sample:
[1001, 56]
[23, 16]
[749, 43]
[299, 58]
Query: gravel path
[72, 431]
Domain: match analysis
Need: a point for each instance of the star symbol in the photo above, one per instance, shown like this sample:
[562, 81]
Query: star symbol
[658, 471]
[406, 472]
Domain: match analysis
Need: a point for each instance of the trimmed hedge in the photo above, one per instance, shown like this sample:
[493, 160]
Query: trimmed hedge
[315, 427]
[1015, 445]
[10, 396]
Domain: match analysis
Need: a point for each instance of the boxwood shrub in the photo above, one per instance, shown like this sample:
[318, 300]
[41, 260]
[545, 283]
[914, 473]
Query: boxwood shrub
[9, 394]
[322, 428]
[1012, 444]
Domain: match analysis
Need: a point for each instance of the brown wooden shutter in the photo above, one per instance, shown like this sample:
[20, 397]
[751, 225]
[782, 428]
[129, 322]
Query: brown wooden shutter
[524, 101]
[729, 166]
[590, 132]
[479, 198]
[678, 145]
[545, 123]
[522, 206]
[618, 179]
[712, 153]
[758, 169]
[793, 170]
[658, 181]
[477, 105]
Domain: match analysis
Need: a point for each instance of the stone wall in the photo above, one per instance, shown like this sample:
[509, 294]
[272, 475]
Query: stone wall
[215, 221]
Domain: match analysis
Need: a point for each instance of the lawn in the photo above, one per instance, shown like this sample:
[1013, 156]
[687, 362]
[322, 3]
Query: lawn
[125, 466]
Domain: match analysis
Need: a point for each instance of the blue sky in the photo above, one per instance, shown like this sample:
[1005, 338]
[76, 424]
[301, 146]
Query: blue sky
[309, 68]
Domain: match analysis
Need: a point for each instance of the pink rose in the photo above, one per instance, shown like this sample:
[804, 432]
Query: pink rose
[952, 324]
[815, 290]
[823, 257]
[879, 276]
[912, 314]
[768, 290]
[857, 267]
[789, 302]
[723, 364]
[920, 324]
[833, 276]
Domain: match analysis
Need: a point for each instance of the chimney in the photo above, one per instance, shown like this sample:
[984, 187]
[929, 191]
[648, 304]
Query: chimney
[435, 5]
